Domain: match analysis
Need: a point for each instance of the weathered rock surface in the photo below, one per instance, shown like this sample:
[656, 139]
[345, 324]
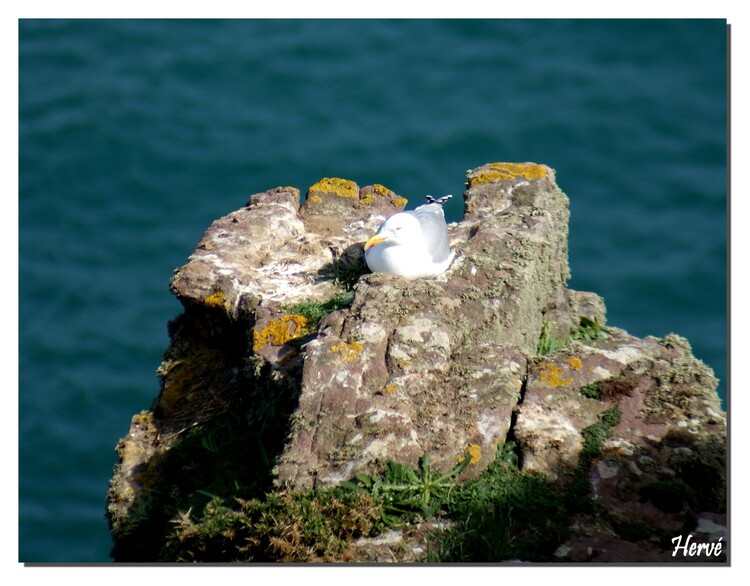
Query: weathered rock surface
[431, 366]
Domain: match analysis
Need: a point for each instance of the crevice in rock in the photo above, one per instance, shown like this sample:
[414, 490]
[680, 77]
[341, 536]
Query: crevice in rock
[511, 435]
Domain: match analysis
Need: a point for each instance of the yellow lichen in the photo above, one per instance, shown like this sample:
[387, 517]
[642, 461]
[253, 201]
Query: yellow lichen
[279, 331]
[508, 172]
[381, 190]
[552, 375]
[399, 201]
[142, 419]
[475, 453]
[349, 351]
[314, 198]
[389, 389]
[575, 363]
[216, 300]
[340, 187]
[367, 200]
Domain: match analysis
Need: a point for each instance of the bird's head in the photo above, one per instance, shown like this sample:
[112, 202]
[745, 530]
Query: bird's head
[400, 229]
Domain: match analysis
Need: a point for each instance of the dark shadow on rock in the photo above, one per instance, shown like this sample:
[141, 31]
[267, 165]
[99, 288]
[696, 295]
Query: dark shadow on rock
[210, 444]
[346, 268]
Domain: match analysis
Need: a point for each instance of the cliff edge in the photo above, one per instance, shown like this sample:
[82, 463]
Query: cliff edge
[294, 371]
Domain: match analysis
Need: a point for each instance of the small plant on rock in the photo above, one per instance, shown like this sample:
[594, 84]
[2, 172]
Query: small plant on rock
[404, 491]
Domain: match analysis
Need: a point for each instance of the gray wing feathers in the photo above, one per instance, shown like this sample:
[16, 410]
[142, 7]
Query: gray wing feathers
[435, 230]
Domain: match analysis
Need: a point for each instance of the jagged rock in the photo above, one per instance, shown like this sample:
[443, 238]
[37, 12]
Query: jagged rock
[406, 368]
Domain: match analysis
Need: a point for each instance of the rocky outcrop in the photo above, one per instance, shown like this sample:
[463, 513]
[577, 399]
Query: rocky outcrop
[307, 370]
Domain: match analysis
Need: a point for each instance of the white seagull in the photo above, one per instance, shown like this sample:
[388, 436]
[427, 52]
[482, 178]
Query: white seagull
[412, 244]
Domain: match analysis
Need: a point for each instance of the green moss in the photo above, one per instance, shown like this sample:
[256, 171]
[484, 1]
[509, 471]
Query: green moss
[595, 434]
[591, 391]
[314, 311]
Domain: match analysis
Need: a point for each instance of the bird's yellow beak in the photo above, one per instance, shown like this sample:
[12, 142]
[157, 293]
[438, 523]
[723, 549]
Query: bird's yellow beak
[374, 241]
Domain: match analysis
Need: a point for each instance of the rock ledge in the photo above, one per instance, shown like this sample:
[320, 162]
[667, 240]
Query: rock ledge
[495, 349]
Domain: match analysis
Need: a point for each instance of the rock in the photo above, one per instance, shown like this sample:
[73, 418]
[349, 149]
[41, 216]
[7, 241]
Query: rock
[389, 369]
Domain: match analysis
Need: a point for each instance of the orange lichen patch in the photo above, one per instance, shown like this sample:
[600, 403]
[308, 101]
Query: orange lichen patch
[390, 389]
[279, 331]
[217, 299]
[340, 187]
[552, 376]
[475, 453]
[349, 351]
[575, 363]
[399, 202]
[367, 200]
[508, 172]
[613, 452]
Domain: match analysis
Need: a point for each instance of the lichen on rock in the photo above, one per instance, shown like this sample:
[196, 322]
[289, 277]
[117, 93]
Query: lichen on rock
[258, 397]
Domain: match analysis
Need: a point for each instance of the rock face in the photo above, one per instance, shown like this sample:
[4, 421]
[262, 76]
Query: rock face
[464, 361]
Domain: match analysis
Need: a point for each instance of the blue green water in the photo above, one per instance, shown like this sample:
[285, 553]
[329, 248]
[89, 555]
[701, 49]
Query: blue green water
[135, 135]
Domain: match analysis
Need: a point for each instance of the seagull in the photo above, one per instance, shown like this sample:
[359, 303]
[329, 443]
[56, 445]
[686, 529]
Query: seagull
[412, 244]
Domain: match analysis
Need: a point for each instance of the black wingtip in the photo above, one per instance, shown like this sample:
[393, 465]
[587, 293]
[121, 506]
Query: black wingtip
[441, 201]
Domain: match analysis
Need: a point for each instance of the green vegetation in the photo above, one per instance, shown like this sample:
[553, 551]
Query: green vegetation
[608, 389]
[313, 526]
[588, 330]
[547, 343]
[504, 513]
[405, 493]
[315, 311]
[591, 391]
[507, 513]
[595, 434]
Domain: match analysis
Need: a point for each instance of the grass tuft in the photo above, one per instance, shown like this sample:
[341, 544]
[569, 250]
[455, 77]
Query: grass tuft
[315, 311]
[588, 330]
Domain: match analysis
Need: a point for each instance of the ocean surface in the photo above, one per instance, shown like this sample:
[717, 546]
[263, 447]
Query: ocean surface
[136, 135]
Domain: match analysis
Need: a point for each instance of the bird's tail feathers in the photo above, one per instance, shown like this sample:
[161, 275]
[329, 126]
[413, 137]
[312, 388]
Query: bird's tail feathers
[441, 201]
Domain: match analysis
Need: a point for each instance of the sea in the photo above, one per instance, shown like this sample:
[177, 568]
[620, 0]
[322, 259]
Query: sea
[134, 135]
